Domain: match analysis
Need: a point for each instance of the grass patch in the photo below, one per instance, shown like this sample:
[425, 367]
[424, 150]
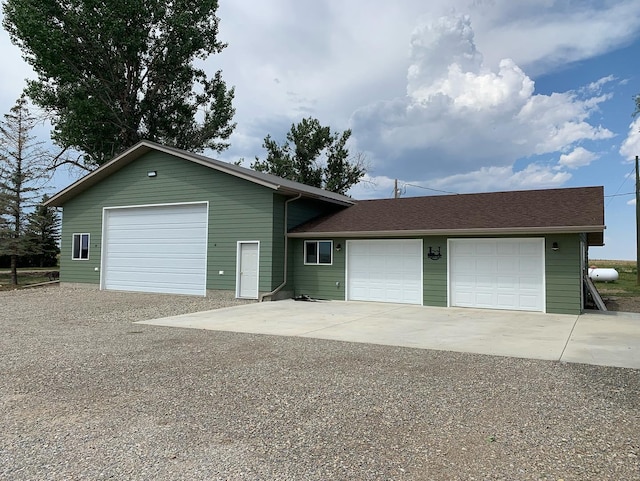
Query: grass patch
[26, 277]
[625, 286]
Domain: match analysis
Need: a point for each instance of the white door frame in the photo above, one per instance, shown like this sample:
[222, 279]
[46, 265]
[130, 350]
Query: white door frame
[239, 266]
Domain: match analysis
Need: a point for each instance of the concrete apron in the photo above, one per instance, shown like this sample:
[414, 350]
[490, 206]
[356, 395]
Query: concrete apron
[609, 339]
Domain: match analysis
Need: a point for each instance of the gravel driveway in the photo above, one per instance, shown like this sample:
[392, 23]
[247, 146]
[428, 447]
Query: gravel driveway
[86, 394]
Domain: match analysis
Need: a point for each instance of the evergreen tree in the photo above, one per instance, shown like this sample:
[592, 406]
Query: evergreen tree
[22, 177]
[42, 235]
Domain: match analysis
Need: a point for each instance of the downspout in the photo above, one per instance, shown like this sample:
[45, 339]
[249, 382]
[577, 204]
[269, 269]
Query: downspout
[286, 250]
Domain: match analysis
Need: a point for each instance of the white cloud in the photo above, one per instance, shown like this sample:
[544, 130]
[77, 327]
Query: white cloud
[13, 73]
[463, 100]
[631, 202]
[460, 116]
[578, 157]
[541, 36]
[596, 86]
[631, 145]
[493, 178]
[332, 57]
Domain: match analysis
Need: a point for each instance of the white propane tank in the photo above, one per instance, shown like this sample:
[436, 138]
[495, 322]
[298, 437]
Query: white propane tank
[603, 274]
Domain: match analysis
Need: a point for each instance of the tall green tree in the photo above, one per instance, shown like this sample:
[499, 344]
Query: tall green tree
[313, 155]
[42, 235]
[22, 177]
[111, 73]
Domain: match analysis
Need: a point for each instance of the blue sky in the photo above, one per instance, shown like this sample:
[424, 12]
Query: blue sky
[453, 95]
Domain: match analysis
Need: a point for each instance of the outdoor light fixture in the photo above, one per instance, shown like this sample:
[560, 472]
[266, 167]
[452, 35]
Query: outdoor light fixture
[434, 255]
[555, 246]
[338, 247]
[152, 173]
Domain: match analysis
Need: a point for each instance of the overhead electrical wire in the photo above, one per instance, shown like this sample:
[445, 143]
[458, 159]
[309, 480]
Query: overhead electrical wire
[428, 188]
[623, 182]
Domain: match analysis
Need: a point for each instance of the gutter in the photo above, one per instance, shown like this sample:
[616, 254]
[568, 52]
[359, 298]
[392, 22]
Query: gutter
[286, 250]
[454, 232]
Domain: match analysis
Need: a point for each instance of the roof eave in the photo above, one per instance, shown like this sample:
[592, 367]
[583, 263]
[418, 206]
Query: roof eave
[142, 148]
[453, 232]
[97, 175]
[310, 195]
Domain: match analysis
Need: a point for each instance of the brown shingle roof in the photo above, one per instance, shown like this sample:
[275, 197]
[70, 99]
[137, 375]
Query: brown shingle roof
[553, 210]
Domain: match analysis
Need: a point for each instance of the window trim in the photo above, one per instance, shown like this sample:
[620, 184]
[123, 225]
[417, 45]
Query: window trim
[79, 236]
[317, 243]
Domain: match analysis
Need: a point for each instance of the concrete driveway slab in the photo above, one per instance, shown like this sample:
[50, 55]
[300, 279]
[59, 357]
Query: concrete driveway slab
[606, 339]
[603, 339]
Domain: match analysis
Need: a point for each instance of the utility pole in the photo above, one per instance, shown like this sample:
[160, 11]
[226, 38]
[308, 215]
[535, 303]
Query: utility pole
[395, 195]
[637, 224]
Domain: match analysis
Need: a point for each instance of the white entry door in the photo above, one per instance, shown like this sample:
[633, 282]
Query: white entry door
[247, 269]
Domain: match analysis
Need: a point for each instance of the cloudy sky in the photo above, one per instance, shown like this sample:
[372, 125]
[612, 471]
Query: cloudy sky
[446, 95]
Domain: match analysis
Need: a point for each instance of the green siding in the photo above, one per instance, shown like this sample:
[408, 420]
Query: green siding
[319, 281]
[563, 275]
[435, 272]
[278, 235]
[300, 211]
[238, 210]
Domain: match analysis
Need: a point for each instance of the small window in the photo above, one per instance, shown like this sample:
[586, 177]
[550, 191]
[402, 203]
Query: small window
[80, 247]
[318, 252]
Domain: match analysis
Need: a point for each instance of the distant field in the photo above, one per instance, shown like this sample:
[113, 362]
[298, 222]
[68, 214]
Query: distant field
[625, 286]
[25, 277]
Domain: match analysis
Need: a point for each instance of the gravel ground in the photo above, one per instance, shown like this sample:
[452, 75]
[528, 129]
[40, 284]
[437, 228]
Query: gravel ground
[86, 394]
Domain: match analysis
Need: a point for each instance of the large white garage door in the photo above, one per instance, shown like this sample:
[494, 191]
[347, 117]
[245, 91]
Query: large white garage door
[156, 249]
[497, 273]
[385, 271]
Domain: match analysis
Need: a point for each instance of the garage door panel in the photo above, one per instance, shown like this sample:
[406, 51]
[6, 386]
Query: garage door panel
[484, 299]
[156, 249]
[483, 264]
[486, 282]
[510, 278]
[507, 264]
[506, 299]
[152, 257]
[485, 250]
[142, 264]
[508, 248]
[506, 282]
[530, 249]
[529, 264]
[385, 271]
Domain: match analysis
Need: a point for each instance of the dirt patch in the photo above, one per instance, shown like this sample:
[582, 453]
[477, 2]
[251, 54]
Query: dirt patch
[623, 304]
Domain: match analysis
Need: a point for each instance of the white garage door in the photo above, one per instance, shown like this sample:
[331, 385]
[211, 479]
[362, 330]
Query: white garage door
[156, 249]
[497, 273]
[385, 271]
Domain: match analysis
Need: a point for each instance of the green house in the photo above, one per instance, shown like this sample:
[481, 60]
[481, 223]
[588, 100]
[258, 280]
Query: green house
[159, 219]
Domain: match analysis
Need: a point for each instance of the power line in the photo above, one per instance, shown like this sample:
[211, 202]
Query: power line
[633, 169]
[620, 195]
[434, 190]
